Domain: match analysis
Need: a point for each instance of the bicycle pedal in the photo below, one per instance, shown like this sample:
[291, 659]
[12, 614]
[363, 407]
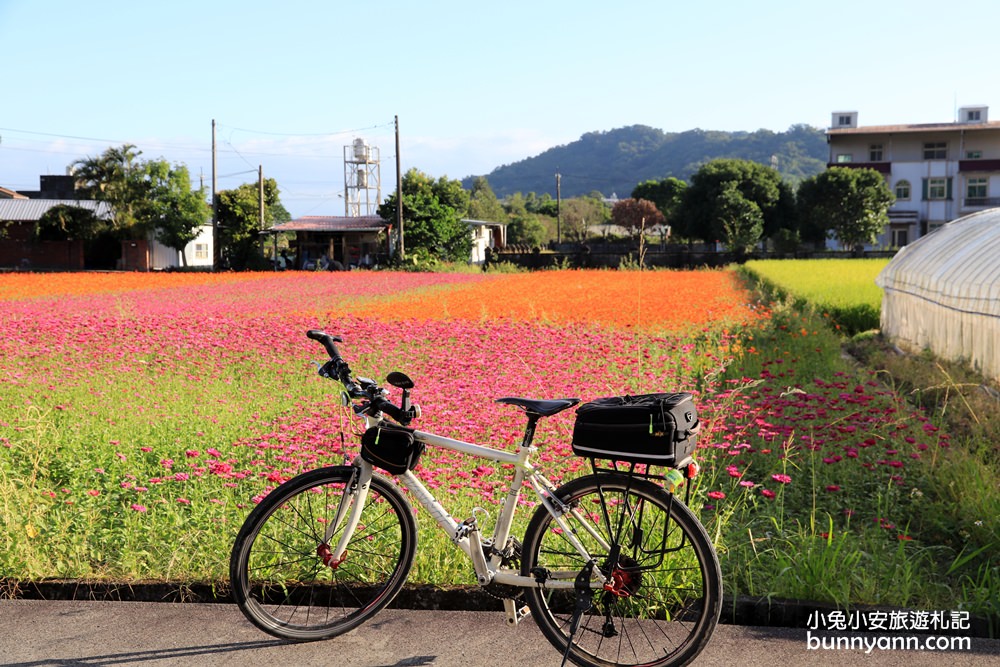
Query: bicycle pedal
[515, 614]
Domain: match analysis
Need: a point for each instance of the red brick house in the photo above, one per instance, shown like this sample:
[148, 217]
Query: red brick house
[18, 246]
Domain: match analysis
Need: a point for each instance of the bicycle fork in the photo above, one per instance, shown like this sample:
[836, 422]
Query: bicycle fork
[350, 506]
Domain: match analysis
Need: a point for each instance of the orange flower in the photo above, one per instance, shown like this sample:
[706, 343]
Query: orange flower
[644, 301]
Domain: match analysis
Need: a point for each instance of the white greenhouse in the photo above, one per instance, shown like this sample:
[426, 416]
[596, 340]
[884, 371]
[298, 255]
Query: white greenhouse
[942, 293]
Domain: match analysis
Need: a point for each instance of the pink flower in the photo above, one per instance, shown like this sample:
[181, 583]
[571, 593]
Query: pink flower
[192, 453]
[767, 493]
[136, 507]
[93, 492]
[716, 495]
[783, 479]
[832, 488]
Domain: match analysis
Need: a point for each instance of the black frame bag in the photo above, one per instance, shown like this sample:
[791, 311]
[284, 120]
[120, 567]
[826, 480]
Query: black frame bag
[655, 429]
[391, 447]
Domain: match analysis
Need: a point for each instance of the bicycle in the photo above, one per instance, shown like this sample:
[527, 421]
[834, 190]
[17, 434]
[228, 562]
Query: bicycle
[613, 567]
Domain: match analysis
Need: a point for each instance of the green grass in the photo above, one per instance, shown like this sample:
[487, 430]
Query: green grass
[941, 551]
[842, 289]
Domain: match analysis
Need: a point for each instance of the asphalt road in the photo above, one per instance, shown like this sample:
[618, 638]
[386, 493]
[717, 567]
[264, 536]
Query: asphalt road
[80, 633]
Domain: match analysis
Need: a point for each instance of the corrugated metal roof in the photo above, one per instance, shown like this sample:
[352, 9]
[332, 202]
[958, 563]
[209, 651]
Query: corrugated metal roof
[332, 223]
[29, 210]
[956, 266]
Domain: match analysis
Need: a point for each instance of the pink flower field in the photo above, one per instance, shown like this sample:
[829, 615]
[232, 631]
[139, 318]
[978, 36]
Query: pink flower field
[138, 423]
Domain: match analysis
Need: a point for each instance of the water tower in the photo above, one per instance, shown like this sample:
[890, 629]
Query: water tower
[362, 181]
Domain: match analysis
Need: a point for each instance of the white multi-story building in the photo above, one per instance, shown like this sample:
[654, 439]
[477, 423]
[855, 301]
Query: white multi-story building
[938, 171]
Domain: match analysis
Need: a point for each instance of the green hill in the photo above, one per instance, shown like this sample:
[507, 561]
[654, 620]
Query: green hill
[617, 160]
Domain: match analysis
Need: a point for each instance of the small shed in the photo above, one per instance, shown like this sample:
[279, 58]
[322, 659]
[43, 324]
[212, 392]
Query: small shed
[320, 239]
[18, 245]
[942, 293]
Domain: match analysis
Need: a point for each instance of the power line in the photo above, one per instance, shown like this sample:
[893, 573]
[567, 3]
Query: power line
[306, 134]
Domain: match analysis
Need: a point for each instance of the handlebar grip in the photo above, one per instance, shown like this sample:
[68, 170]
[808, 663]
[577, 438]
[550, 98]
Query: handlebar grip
[392, 410]
[328, 341]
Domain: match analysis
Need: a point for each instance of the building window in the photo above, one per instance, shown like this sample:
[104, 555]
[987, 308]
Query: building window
[973, 155]
[845, 157]
[937, 188]
[973, 115]
[900, 237]
[903, 190]
[844, 120]
[976, 188]
[875, 153]
[201, 251]
[936, 150]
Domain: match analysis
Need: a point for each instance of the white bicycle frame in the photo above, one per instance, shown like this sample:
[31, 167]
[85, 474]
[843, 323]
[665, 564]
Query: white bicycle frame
[466, 534]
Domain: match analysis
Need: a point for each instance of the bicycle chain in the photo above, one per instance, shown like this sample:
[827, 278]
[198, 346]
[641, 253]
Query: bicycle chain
[510, 558]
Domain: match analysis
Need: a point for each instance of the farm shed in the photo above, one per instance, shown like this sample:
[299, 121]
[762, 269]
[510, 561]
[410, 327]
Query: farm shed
[942, 293]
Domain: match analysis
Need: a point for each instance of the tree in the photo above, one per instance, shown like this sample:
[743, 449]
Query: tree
[117, 177]
[699, 215]
[483, 203]
[523, 226]
[579, 213]
[741, 220]
[172, 208]
[238, 216]
[145, 197]
[852, 203]
[636, 215]
[666, 194]
[432, 216]
[65, 222]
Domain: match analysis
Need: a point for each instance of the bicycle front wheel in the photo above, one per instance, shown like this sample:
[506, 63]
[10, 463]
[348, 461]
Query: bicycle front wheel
[281, 569]
[663, 593]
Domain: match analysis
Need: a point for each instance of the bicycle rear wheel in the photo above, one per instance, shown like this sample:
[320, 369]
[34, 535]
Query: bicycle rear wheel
[277, 568]
[664, 591]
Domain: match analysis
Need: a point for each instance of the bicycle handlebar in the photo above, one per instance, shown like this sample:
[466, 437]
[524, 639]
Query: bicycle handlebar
[342, 372]
[328, 341]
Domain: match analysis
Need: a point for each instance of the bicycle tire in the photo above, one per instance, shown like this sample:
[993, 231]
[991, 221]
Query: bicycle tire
[276, 568]
[666, 585]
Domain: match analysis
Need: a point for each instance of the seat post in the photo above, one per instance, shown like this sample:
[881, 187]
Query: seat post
[529, 429]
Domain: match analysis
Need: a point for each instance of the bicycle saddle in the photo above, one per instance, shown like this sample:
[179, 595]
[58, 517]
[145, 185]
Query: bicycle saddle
[540, 408]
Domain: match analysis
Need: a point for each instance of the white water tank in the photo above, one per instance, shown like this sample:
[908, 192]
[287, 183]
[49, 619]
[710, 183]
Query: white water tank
[360, 150]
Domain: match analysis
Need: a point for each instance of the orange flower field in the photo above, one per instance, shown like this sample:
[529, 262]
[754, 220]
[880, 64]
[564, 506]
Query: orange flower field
[644, 301]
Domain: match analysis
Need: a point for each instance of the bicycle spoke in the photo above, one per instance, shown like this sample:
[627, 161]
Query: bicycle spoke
[662, 595]
[281, 569]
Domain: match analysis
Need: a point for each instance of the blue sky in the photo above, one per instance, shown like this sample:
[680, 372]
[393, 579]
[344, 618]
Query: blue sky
[475, 85]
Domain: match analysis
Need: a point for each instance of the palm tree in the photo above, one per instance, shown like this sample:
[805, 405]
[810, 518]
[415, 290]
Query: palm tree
[117, 178]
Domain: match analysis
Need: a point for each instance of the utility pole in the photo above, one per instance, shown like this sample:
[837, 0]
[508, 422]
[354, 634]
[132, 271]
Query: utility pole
[260, 207]
[558, 207]
[399, 197]
[215, 208]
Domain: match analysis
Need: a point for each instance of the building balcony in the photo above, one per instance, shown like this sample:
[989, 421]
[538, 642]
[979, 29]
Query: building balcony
[980, 202]
[979, 165]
